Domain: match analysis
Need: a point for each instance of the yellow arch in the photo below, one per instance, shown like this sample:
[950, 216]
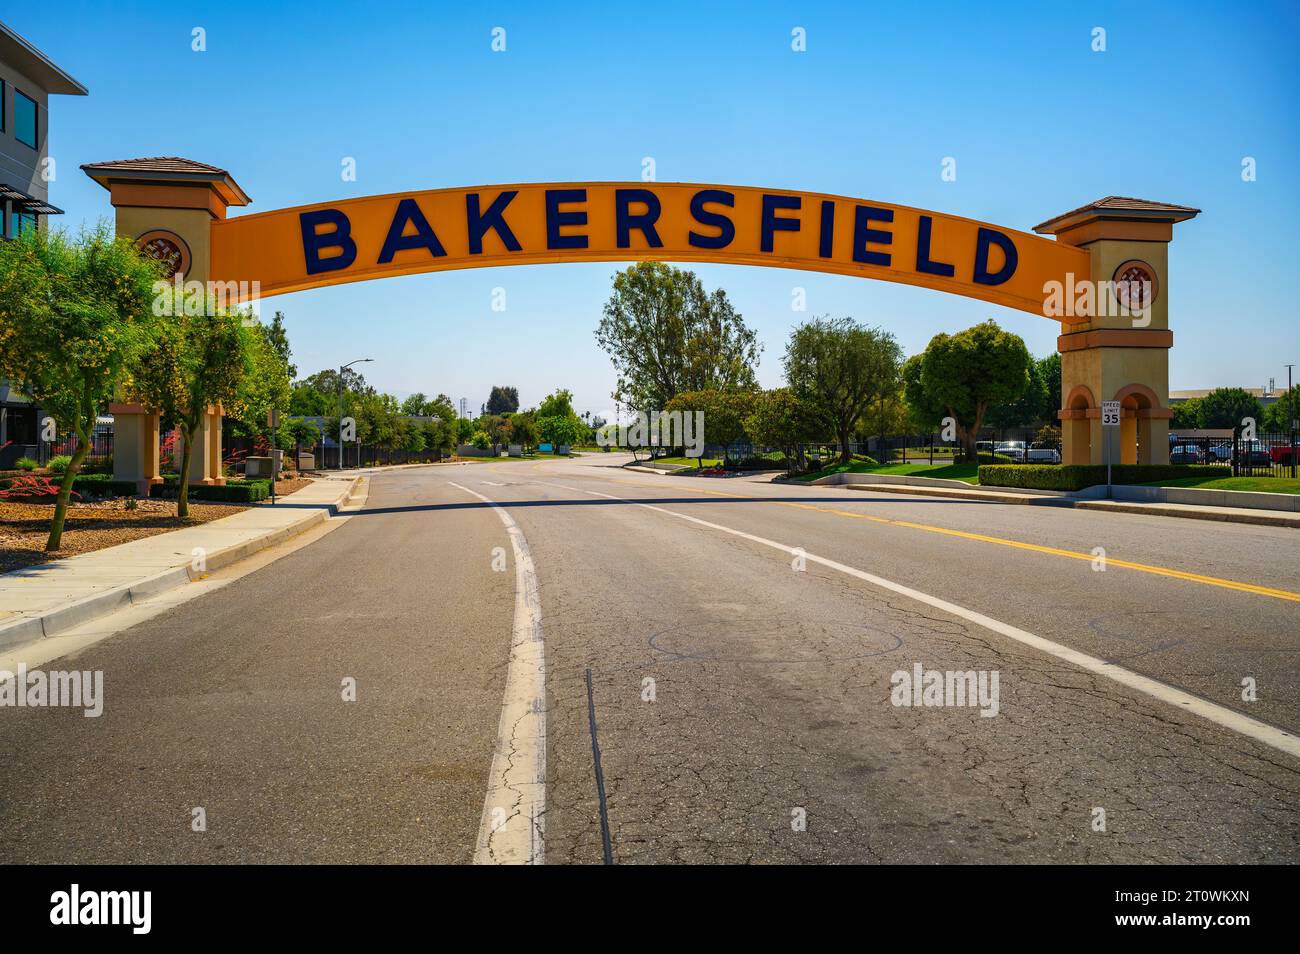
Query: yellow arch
[351, 240]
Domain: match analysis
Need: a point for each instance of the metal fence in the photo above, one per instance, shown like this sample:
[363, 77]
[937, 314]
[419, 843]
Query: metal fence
[1267, 454]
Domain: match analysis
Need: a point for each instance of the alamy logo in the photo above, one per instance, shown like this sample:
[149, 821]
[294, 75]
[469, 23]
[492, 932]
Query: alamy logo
[103, 907]
[935, 687]
[658, 429]
[36, 690]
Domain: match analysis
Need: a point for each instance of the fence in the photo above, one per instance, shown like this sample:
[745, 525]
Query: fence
[1275, 454]
[1271, 454]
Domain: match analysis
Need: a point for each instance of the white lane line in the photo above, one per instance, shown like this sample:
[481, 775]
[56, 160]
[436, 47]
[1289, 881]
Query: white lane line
[1227, 718]
[513, 829]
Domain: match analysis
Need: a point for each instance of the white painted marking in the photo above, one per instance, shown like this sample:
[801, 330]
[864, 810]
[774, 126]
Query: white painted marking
[1226, 718]
[513, 829]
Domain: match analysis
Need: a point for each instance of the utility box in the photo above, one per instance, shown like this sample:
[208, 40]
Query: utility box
[258, 467]
[516, 450]
[306, 461]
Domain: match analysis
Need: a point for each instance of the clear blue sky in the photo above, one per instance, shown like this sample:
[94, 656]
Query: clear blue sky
[1037, 121]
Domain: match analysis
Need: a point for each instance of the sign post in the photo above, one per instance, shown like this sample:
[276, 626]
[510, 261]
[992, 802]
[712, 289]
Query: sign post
[1110, 416]
[273, 419]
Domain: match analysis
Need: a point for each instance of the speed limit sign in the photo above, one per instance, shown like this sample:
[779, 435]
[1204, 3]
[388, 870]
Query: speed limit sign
[1110, 413]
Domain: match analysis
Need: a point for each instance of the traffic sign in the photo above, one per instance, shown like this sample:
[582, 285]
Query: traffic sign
[1110, 413]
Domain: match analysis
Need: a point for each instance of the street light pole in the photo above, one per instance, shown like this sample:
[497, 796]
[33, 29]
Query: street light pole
[1291, 413]
[341, 370]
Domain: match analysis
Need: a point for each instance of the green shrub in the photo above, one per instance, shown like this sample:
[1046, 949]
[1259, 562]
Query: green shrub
[59, 464]
[1078, 476]
[103, 485]
[233, 491]
[25, 463]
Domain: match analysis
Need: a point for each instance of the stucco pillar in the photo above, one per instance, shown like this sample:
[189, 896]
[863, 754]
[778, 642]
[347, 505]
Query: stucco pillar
[135, 446]
[1122, 351]
[168, 206]
[205, 461]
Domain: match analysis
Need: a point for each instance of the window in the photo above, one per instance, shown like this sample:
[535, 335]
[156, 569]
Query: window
[2, 105]
[22, 221]
[25, 119]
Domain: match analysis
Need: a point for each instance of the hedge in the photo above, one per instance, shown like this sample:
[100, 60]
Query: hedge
[233, 491]
[1078, 476]
[103, 485]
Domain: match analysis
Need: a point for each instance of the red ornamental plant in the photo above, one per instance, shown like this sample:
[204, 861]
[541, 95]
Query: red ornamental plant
[26, 487]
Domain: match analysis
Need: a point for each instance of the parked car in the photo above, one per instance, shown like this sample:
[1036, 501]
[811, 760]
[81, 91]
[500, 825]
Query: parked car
[1220, 453]
[1283, 454]
[1013, 449]
[1186, 454]
[1253, 454]
[1043, 454]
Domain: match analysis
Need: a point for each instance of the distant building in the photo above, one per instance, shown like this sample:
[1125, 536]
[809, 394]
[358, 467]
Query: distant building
[28, 79]
[1266, 396]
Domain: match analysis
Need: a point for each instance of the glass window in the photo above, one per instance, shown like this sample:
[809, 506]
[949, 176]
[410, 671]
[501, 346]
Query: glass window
[25, 119]
[3, 105]
[22, 221]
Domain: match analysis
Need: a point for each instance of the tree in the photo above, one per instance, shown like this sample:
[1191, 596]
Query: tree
[1049, 371]
[886, 413]
[412, 437]
[724, 412]
[1225, 407]
[302, 432]
[838, 368]
[75, 315]
[1187, 415]
[666, 335]
[777, 418]
[503, 400]
[523, 429]
[963, 375]
[278, 338]
[318, 394]
[416, 405]
[198, 361]
[264, 388]
[1031, 407]
[1279, 415]
[556, 420]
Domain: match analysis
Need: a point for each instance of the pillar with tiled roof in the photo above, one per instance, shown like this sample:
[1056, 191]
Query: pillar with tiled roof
[168, 205]
[1116, 354]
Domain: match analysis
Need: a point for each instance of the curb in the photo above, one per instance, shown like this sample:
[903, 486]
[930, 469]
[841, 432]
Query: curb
[1203, 512]
[29, 629]
[1159, 510]
[990, 496]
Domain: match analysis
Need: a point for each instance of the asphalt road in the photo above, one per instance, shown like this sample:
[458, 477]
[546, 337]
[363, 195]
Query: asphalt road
[741, 695]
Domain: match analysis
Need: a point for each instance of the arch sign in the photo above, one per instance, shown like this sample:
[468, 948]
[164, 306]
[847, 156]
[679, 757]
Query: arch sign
[354, 240]
[176, 209]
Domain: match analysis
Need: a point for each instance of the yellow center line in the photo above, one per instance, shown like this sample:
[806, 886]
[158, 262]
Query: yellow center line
[1001, 541]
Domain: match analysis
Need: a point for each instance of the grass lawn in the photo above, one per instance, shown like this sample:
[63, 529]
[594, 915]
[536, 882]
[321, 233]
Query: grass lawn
[1268, 485]
[968, 473]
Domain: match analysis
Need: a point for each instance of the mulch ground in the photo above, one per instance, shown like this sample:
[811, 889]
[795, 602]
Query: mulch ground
[94, 525]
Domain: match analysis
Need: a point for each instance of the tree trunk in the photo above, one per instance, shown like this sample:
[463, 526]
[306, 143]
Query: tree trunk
[968, 435]
[65, 488]
[846, 454]
[183, 491]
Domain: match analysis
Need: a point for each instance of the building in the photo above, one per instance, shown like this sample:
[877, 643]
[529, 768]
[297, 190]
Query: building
[1266, 396]
[28, 78]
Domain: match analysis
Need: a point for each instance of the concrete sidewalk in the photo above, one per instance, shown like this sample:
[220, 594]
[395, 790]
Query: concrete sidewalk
[44, 600]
